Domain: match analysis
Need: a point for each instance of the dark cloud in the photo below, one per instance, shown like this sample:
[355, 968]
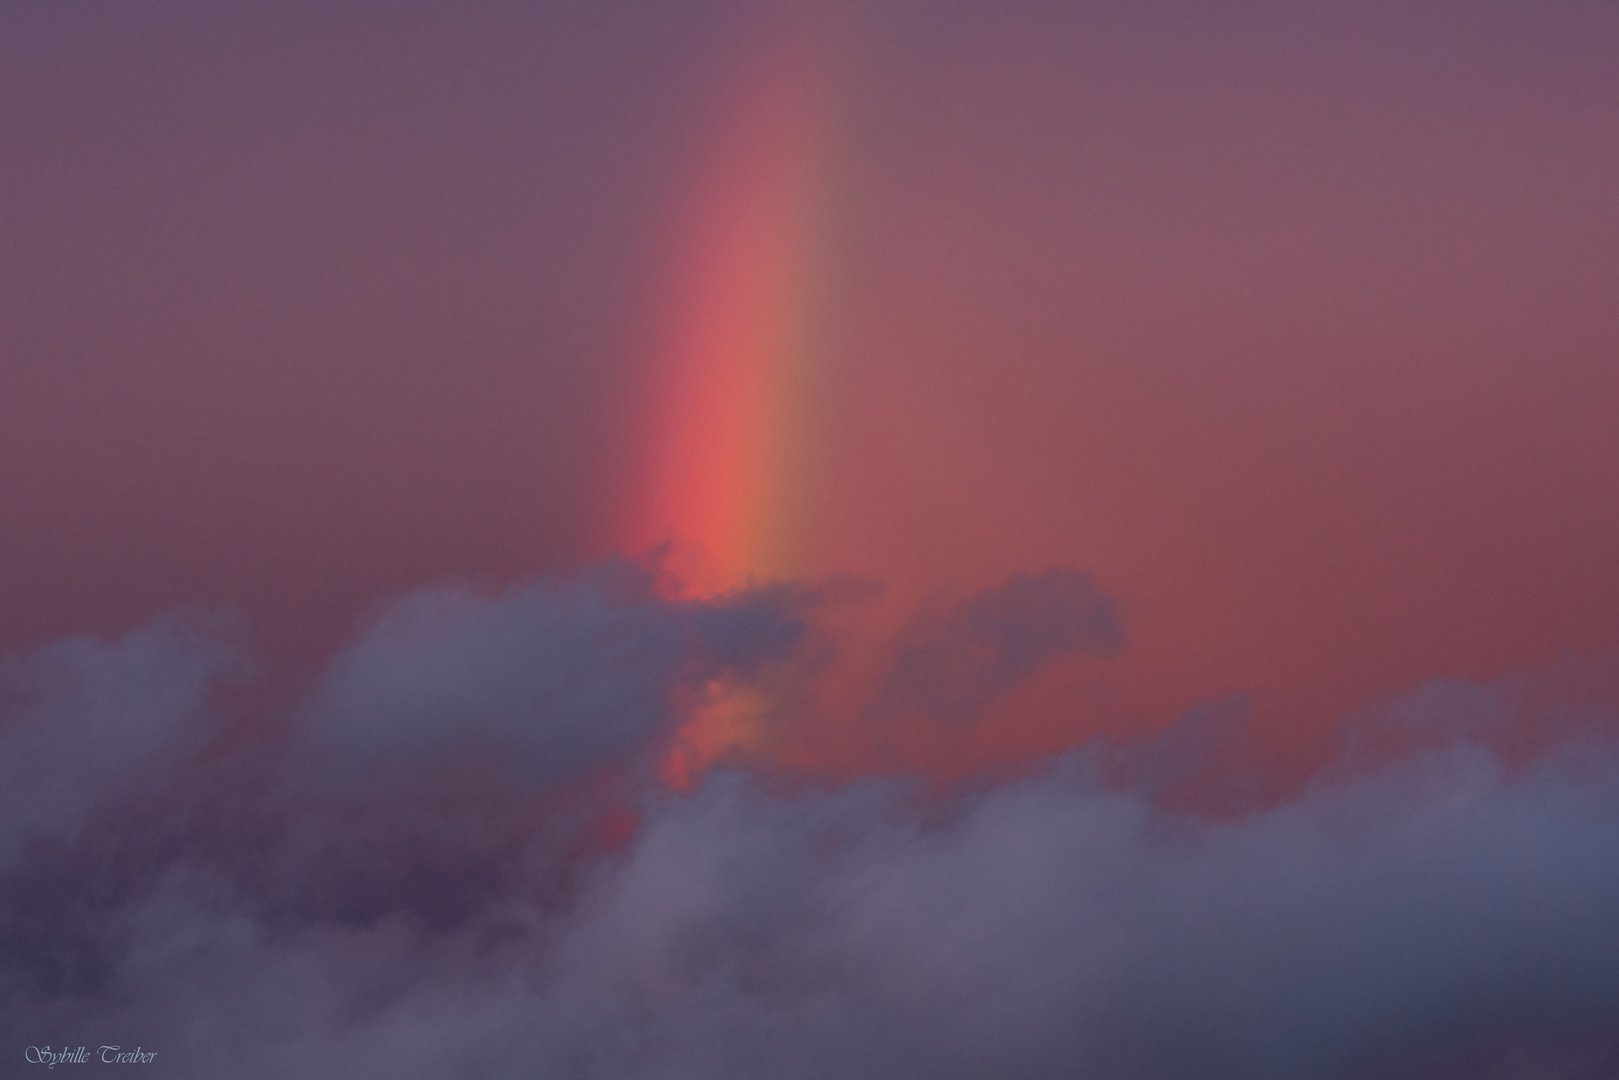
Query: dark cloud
[452, 860]
[544, 682]
[88, 722]
[955, 657]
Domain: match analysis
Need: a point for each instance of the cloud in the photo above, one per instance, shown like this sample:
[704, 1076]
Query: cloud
[451, 862]
[89, 722]
[543, 682]
[954, 658]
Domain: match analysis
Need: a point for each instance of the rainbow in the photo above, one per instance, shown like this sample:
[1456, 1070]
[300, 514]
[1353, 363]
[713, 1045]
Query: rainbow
[726, 467]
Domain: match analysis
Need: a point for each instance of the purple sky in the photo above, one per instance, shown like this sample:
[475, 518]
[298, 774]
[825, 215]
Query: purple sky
[1294, 326]
[1190, 366]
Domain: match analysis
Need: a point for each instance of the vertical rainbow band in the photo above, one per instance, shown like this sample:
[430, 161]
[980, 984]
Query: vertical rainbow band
[727, 463]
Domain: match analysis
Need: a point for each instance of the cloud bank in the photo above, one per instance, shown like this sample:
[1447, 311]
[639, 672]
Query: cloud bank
[451, 857]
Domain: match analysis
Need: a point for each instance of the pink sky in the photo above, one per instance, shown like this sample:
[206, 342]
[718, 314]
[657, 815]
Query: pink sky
[1296, 330]
[1226, 391]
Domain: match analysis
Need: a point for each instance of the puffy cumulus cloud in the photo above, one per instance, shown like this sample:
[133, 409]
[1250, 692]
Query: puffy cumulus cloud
[542, 682]
[504, 891]
[85, 722]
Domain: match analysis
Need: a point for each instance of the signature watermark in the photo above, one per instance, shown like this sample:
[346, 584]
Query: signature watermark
[82, 1055]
